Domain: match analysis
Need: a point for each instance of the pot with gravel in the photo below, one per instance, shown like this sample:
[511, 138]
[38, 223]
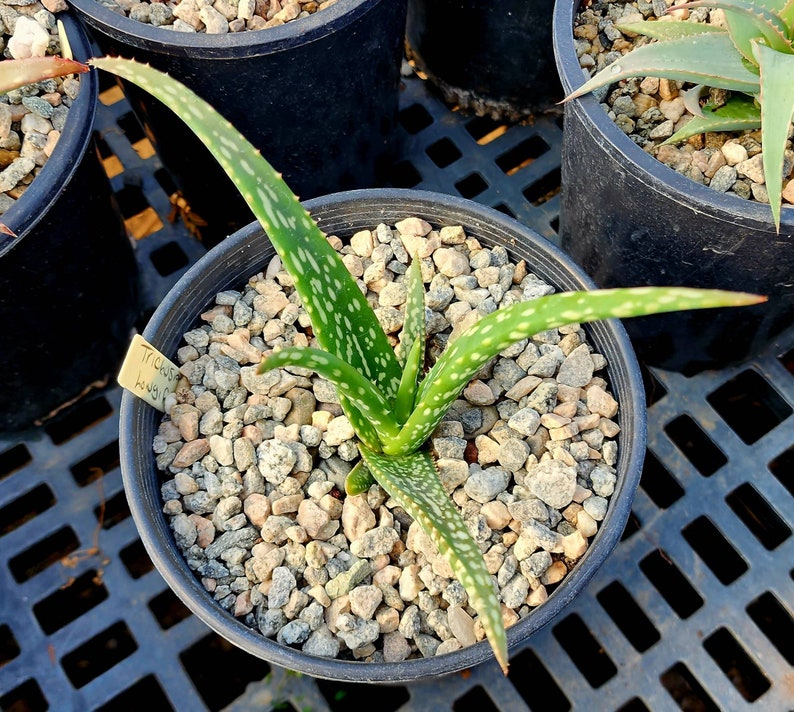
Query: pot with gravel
[497, 61]
[385, 425]
[314, 85]
[61, 231]
[636, 209]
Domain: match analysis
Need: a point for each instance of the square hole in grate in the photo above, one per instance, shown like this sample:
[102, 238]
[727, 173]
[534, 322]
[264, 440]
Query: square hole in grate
[13, 459]
[484, 129]
[586, 652]
[110, 161]
[43, 554]
[169, 258]
[633, 705]
[344, 696]
[113, 511]
[775, 622]
[686, 690]
[543, 189]
[710, 544]
[414, 118]
[136, 135]
[658, 483]
[25, 508]
[168, 609]
[502, 208]
[522, 155]
[96, 465]
[99, 654]
[758, 516]
[136, 560]
[403, 175]
[749, 405]
[474, 699]
[534, 682]
[70, 602]
[77, 419]
[673, 586]
[212, 658]
[782, 467]
[633, 525]
[144, 694]
[443, 152]
[471, 186]
[737, 665]
[27, 697]
[9, 648]
[695, 445]
[628, 616]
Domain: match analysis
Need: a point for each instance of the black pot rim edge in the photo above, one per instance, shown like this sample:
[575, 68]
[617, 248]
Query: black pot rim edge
[72, 145]
[173, 568]
[632, 159]
[231, 45]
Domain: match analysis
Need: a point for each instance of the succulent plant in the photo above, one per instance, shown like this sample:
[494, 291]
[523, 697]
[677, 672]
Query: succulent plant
[390, 402]
[752, 57]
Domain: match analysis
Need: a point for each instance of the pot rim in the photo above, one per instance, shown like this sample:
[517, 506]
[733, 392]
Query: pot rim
[138, 469]
[632, 159]
[26, 212]
[231, 45]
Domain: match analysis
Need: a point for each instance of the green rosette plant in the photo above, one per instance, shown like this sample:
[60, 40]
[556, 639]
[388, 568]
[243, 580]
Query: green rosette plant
[388, 398]
[752, 57]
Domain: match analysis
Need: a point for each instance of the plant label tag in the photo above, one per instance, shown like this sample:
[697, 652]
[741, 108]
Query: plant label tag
[147, 373]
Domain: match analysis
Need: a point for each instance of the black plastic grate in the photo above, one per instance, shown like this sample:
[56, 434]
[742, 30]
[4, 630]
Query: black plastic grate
[692, 611]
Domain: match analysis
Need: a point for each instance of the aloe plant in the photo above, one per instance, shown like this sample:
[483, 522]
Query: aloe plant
[753, 56]
[392, 405]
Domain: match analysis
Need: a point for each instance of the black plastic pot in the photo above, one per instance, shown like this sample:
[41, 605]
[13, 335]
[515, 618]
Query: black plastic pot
[491, 58]
[248, 251]
[630, 220]
[68, 281]
[318, 96]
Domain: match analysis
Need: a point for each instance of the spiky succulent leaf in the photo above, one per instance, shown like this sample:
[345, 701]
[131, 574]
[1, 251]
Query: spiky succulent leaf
[668, 30]
[359, 479]
[504, 327]
[343, 322]
[362, 393]
[749, 21]
[787, 12]
[413, 482]
[412, 342]
[709, 59]
[777, 109]
[406, 395]
[739, 113]
[15, 73]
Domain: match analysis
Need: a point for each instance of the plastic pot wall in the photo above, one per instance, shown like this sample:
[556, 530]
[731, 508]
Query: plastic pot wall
[630, 220]
[318, 96]
[68, 281]
[492, 58]
[247, 252]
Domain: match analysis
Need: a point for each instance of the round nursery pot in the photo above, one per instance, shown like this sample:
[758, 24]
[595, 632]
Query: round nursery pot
[68, 280]
[247, 252]
[318, 96]
[630, 220]
[497, 60]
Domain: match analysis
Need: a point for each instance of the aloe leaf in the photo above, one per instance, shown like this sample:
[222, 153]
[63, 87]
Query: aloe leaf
[413, 482]
[668, 30]
[406, 394]
[414, 326]
[787, 12]
[738, 114]
[748, 21]
[708, 59]
[343, 321]
[359, 479]
[504, 327]
[362, 393]
[777, 109]
[15, 73]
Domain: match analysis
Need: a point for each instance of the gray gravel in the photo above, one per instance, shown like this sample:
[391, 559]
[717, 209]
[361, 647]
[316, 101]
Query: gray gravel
[254, 466]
